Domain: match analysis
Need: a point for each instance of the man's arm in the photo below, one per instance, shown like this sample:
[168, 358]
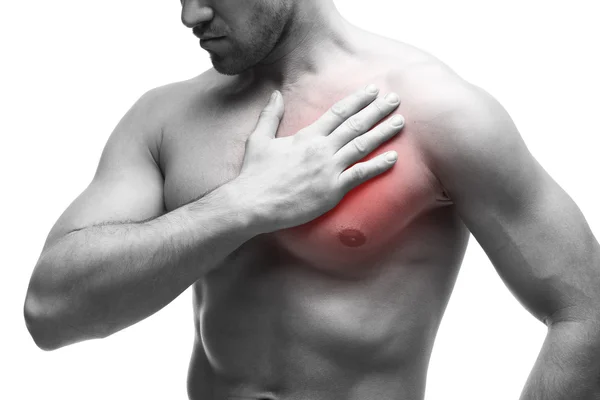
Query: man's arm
[534, 234]
[114, 257]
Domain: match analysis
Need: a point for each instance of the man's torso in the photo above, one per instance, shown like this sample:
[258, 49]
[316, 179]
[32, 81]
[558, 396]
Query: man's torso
[346, 306]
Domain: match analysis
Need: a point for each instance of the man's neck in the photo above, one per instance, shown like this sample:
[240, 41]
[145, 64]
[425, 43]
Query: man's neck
[315, 35]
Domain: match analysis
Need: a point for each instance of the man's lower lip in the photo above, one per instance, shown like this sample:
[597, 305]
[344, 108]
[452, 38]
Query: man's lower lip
[211, 39]
[211, 43]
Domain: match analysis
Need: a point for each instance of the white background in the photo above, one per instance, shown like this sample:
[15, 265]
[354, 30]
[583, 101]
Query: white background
[71, 69]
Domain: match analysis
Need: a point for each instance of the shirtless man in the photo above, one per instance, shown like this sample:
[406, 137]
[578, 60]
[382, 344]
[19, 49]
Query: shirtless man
[320, 270]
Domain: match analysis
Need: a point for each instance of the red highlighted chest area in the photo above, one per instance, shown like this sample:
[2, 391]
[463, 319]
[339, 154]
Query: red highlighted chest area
[369, 217]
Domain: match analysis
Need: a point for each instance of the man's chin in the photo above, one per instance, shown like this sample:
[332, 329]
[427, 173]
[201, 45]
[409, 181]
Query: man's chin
[224, 71]
[227, 68]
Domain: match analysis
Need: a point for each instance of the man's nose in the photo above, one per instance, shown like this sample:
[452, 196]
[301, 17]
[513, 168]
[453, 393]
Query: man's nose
[195, 12]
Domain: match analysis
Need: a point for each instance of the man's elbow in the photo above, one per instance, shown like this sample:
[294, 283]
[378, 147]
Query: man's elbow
[48, 330]
[39, 324]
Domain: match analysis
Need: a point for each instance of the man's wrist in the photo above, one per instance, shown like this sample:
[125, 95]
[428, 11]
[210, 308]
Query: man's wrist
[241, 207]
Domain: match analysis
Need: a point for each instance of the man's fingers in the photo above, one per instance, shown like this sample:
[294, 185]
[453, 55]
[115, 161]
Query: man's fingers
[344, 109]
[361, 146]
[363, 171]
[362, 121]
[270, 117]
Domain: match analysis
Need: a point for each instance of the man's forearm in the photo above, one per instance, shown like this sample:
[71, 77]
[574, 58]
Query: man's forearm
[568, 366]
[101, 279]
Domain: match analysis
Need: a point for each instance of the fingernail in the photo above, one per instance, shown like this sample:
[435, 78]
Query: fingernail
[392, 97]
[391, 156]
[397, 120]
[371, 89]
[274, 96]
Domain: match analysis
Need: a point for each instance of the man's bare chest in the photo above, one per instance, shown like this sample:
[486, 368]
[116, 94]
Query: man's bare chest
[206, 149]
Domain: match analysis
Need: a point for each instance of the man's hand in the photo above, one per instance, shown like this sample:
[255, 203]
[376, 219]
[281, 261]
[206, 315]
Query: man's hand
[293, 180]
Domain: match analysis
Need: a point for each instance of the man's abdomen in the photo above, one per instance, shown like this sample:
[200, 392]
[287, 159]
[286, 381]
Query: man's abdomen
[272, 326]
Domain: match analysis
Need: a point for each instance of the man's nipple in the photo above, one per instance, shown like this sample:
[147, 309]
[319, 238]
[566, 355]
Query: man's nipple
[352, 237]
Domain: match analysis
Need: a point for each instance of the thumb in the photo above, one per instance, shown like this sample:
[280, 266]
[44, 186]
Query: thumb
[270, 117]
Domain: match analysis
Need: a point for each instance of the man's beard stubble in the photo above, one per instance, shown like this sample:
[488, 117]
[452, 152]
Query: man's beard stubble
[260, 44]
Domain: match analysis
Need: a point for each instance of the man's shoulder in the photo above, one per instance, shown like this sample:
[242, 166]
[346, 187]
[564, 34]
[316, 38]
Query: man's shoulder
[453, 120]
[158, 107]
[434, 95]
[426, 85]
[440, 106]
[169, 97]
[429, 85]
[446, 115]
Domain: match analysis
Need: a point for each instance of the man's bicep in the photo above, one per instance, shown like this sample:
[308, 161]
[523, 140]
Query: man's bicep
[128, 183]
[533, 232]
[540, 244]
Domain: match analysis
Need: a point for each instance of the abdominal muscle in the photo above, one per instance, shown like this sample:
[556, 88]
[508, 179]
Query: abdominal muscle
[345, 306]
[271, 325]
